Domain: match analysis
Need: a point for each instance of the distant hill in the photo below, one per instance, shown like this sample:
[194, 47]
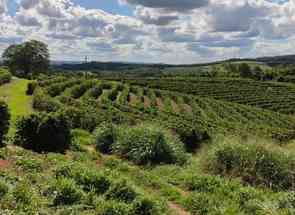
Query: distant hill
[125, 66]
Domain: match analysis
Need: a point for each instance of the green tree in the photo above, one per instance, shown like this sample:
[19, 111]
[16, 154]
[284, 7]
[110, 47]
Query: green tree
[245, 70]
[27, 58]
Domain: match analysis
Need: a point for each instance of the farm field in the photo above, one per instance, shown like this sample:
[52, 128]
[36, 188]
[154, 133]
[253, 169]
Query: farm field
[147, 107]
[273, 96]
[194, 179]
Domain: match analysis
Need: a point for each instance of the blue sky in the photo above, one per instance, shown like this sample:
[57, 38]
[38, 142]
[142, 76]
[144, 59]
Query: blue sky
[111, 6]
[174, 31]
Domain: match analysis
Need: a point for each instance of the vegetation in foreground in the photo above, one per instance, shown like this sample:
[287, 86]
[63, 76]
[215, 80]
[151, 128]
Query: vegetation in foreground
[87, 145]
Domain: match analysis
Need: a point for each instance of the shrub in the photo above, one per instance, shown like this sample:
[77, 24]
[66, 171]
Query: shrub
[43, 102]
[122, 191]
[4, 121]
[112, 208]
[89, 179]
[5, 77]
[145, 206]
[43, 133]
[95, 92]
[201, 204]
[79, 90]
[192, 138]
[31, 88]
[23, 194]
[255, 164]
[149, 144]
[3, 189]
[66, 192]
[80, 118]
[287, 200]
[29, 165]
[105, 138]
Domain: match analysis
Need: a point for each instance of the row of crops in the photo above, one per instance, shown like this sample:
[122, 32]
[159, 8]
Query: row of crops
[170, 108]
[268, 95]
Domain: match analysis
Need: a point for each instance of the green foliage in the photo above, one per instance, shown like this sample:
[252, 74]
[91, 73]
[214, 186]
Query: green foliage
[89, 179]
[3, 189]
[255, 164]
[29, 57]
[112, 208]
[23, 194]
[4, 121]
[43, 102]
[105, 138]
[146, 206]
[66, 192]
[5, 77]
[148, 144]
[80, 117]
[43, 133]
[79, 90]
[31, 88]
[122, 191]
[29, 165]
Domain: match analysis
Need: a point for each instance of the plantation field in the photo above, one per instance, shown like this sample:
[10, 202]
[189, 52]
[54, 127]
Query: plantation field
[273, 96]
[144, 147]
[171, 108]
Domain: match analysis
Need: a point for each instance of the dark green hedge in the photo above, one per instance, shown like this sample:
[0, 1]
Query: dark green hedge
[4, 121]
[43, 133]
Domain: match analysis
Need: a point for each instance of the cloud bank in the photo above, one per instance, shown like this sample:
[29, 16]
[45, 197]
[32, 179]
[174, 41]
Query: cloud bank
[175, 31]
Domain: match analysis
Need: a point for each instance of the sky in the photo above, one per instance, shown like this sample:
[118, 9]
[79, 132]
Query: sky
[151, 31]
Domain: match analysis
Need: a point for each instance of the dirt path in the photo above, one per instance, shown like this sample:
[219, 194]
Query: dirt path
[160, 103]
[177, 209]
[175, 106]
[133, 99]
[147, 102]
[187, 109]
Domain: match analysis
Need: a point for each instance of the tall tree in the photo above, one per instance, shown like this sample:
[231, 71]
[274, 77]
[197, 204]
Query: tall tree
[27, 58]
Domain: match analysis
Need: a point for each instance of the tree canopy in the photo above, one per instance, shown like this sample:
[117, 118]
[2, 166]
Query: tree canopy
[27, 58]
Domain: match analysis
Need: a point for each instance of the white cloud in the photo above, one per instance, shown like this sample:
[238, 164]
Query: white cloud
[178, 31]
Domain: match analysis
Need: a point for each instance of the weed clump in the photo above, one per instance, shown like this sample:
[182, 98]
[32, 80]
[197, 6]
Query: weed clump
[143, 144]
[255, 164]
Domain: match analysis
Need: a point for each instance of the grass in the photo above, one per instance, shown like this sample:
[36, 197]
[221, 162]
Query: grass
[14, 94]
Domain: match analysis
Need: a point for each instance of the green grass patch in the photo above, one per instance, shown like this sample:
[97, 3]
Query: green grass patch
[14, 94]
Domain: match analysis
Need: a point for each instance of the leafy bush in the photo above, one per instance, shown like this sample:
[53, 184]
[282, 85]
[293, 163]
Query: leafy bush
[31, 88]
[4, 121]
[95, 92]
[23, 194]
[80, 117]
[5, 77]
[89, 179]
[29, 165]
[287, 200]
[192, 138]
[112, 208]
[43, 102]
[122, 191]
[66, 192]
[146, 206]
[105, 138]
[255, 164]
[79, 90]
[201, 204]
[43, 133]
[148, 144]
[3, 189]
